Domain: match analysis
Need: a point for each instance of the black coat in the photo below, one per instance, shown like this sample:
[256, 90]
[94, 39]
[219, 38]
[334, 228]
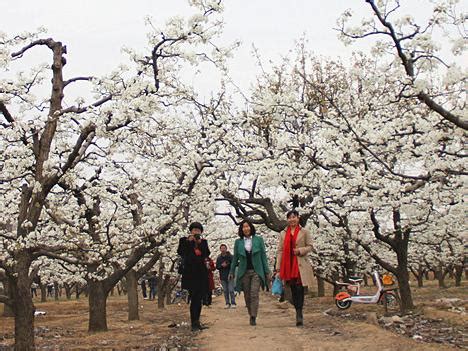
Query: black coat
[194, 271]
[224, 271]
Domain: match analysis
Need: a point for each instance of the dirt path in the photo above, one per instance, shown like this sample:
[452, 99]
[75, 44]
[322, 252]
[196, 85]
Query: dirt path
[229, 329]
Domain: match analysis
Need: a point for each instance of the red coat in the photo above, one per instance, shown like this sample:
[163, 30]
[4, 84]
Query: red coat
[211, 284]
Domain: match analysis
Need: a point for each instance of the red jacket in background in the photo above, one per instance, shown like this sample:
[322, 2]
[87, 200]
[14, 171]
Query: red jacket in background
[211, 284]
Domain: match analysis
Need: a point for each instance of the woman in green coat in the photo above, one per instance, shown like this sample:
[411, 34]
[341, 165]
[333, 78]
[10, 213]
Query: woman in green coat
[251, 260]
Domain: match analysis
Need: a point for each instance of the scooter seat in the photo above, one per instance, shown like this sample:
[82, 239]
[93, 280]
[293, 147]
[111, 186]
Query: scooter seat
[341, 284]
[356, 280]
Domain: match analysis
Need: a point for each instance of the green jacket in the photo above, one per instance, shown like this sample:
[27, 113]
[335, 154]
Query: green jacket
[259, 260]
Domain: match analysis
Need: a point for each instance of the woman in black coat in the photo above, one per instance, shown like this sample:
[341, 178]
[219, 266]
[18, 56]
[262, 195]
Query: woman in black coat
[195, 252]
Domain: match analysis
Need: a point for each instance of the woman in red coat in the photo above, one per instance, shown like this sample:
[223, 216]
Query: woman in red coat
[211, 267]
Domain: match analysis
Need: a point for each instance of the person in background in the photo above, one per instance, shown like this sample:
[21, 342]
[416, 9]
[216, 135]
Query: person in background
[34, 289]
[195, 252]
[295, 271]
[223, 265]
[211, 285]
[152, 282]
[253, 272]
[143, 287]
[50, 289]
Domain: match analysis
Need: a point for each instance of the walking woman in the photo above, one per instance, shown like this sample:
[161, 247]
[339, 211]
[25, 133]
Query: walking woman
[250, 257]
[195, 252]
[296, 272]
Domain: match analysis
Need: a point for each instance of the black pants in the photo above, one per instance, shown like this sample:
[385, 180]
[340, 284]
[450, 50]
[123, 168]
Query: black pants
[207, 299]
[196, 299]
[297, 292]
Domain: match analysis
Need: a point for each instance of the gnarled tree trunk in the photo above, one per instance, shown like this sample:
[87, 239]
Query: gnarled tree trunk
[440, 276]
[56, 291]
[320, 287]
[67, 288]
[132, 296]
[43, 289]
[23, 306]
[97, 306]
[7, 309]
[458, 275]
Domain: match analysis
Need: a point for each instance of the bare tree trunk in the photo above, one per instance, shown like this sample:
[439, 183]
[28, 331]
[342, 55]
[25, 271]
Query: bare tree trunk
[67, 288]
[77, 291]
[402, 274]
[163, 289]
[132, 296]
[161, 294]
[420, 280]
[458, 275]
[23, 307]
[320, 287]
[168, 298]
[440, 276]
[7, 309]
[365, 278]
[43, 289]
[97, 307]
[405, 291]
[56, 291]
[419, 275]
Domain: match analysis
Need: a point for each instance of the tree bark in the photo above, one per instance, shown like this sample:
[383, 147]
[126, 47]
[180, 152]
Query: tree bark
[458, 275]
[77, 291]
[420, 280]
[132, 296]
[161, 293]
[440, 276]
[23, 306]
[365, 278]
[7, 309]
[56, 291]
[320, 287]
[402, 274]
[426, 275]
[43, 289]
[419, 275]
[67, 288]
[97, 307]
[163, 287]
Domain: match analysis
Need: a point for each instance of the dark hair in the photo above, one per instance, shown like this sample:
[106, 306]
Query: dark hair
[195, 225]
[220, 246]
[292, 213]
[252, 228]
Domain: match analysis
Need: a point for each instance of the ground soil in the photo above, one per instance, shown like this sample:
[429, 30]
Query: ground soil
[276, 330]
[64, 327]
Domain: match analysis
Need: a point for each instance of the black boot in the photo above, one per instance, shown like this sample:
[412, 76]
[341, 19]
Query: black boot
[195, 327]
[299, 318]
[201, 326]
[253, 321]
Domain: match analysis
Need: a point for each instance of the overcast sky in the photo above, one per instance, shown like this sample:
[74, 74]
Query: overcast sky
[95, 30]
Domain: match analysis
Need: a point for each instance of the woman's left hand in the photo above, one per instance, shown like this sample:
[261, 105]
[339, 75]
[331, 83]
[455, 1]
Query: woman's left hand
[297, 252]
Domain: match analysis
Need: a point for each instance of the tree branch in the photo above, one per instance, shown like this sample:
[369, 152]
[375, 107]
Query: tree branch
[6, 113]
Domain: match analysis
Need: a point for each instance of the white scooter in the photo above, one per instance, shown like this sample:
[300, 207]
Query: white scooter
[344, 299]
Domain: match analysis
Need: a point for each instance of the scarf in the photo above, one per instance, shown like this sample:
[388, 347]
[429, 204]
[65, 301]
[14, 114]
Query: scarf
[289, 267]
